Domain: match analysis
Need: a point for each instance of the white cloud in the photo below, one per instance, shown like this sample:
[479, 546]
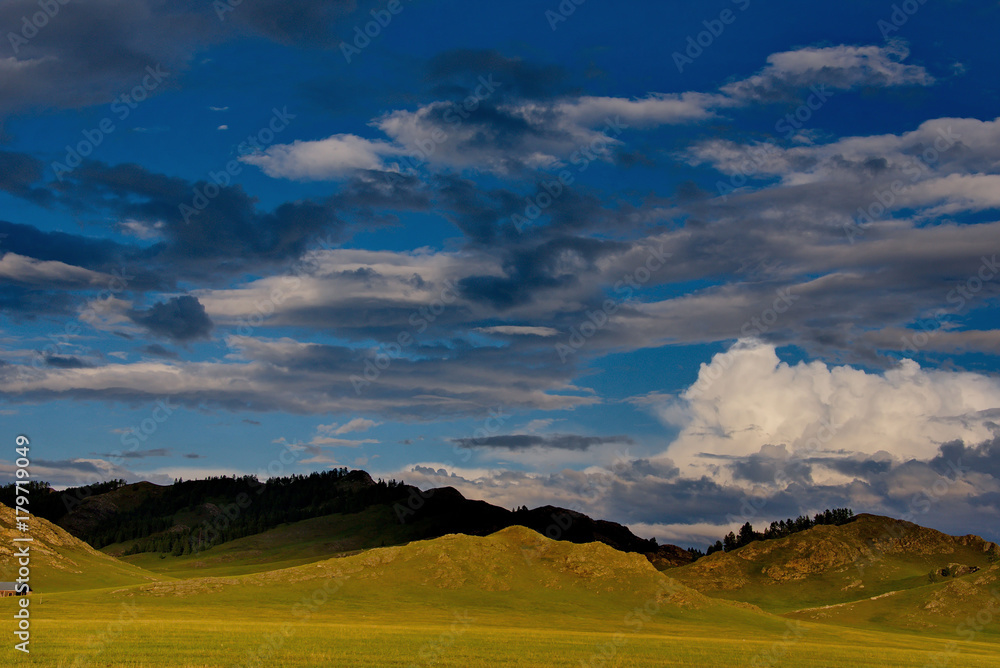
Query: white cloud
[22, 269]
[550, 133]
[840, 67]
[142, 229]
[328, 158]
[746, 399]
[357, 424]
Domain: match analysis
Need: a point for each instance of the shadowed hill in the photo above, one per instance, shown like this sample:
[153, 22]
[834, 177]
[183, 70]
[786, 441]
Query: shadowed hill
[196, 517]
[827, 565]
[60, 562]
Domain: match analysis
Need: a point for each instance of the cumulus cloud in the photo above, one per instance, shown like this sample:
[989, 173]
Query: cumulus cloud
[747, 404]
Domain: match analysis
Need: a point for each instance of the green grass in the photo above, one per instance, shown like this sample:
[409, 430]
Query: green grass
[177, 632]
[829, 565]
[284, 546]
[511, 599]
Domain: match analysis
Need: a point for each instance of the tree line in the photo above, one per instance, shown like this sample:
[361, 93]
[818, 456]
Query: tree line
[778, 529]
[192, 515]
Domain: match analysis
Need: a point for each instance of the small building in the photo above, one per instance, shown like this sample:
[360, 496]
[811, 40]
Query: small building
[11, 589]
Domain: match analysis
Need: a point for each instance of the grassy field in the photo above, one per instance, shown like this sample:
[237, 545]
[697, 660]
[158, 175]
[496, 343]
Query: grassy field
[168, 636]
[513, 599]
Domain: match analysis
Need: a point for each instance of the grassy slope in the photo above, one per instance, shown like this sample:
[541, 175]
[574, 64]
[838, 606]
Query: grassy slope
[284, 546]
[968, 607]
[513, 598]
[827, 565]
[60, 562]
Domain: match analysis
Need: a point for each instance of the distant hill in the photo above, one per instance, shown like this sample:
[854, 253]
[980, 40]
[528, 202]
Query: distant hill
[60, 562]
[829, 565]
[513, 571]
[198, 516]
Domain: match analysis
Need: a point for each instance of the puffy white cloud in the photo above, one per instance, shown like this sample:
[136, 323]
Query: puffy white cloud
[324, 158]
[747, 402]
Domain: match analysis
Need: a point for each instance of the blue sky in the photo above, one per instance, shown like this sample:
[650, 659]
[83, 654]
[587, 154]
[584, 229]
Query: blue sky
[658, 262]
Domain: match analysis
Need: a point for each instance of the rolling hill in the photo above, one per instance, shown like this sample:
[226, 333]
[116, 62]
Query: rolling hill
[512, 598]
[204, 516]
[829, 565]
[60, 562]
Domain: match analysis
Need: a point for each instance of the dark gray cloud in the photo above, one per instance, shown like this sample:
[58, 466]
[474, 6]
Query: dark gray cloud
[159, 351]
[549, 441]
[66, 362]
[181, 319]
[87, 53]
[453, 73]
[136, 454]
[19, 174]
[90, 52]
[316, 23]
